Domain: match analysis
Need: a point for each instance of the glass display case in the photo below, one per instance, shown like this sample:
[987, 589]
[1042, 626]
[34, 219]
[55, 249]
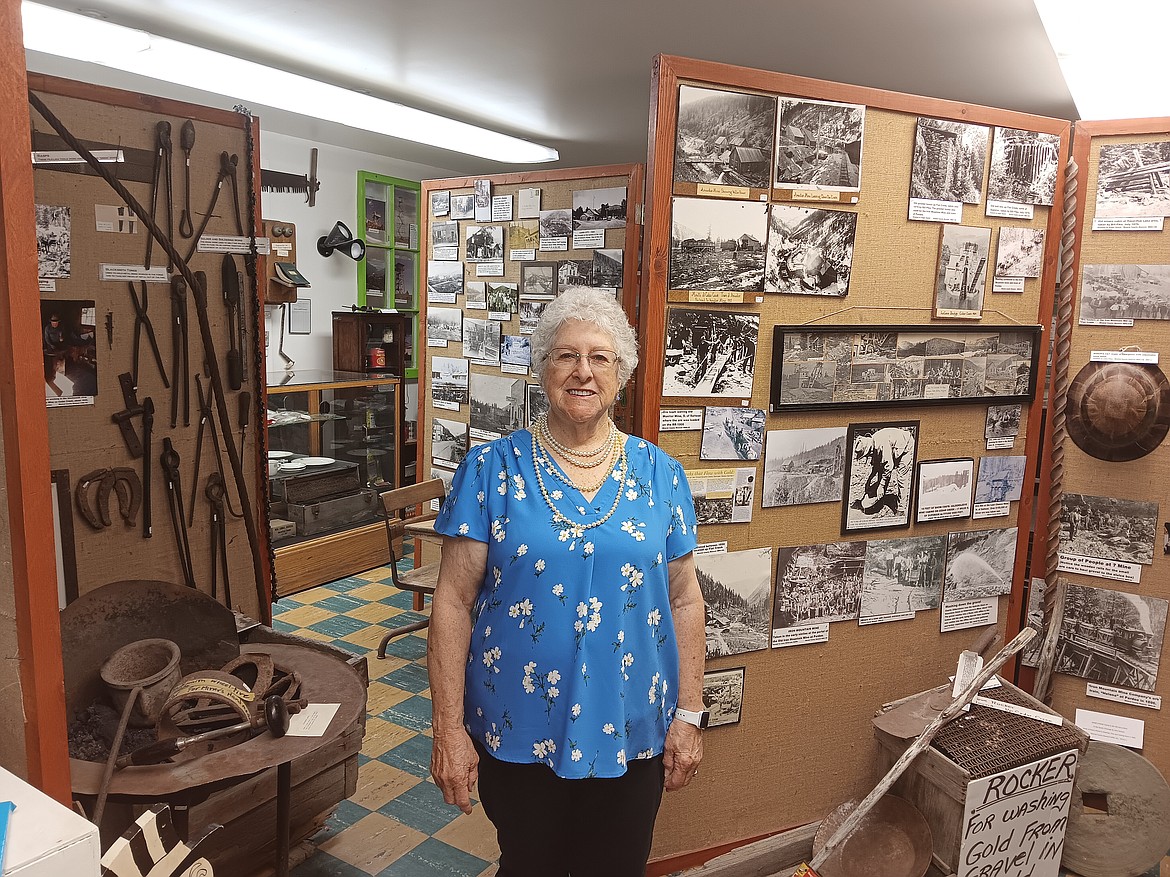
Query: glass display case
[333, 446]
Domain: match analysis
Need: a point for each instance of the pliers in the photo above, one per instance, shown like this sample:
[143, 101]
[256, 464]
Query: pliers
[142, 321]
[217, 496]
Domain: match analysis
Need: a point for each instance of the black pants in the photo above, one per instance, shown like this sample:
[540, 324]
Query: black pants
[553, 827]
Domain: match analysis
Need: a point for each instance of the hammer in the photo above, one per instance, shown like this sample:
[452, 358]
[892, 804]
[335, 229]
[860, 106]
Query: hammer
[275, 717]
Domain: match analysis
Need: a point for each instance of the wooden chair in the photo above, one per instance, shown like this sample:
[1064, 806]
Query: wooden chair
[421, 580]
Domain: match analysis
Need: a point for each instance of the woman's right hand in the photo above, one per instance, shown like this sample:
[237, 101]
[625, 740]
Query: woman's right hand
[455, 767]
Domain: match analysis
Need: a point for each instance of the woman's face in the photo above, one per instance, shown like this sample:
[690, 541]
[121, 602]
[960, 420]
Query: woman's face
[580, 391]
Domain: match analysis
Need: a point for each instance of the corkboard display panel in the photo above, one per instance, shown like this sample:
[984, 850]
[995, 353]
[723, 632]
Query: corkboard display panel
[84, 438]
[1145, 478]
[556, 192]
[807, 709]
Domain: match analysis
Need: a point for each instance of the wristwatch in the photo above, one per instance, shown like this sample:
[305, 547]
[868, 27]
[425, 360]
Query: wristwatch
[698, 718]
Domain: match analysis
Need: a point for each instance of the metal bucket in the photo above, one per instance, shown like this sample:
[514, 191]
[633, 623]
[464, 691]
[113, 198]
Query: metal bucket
[149, 664]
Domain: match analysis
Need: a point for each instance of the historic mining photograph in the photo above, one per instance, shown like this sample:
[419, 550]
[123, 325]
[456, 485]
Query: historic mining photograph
[962, 271]
[879, 475]
[817, 583]
[497, 404]
[810, 251]
[1111, 636]
[448, 442]
[948, 162]
[445, 324]
[1124, 292]
[979, 563]
[804, 466]
[1023, 166]
[449, 381]
[902, 576]
[1020, 252]
[599, 208]
[732, 434]
[481, 340]
[1108, 527]
[724, 137]
[717, 244]
[710, 353]
[1133, 179]
[818, 145]
[736, 587]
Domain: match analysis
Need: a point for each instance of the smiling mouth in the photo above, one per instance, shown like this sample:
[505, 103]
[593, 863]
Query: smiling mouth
[580, 392]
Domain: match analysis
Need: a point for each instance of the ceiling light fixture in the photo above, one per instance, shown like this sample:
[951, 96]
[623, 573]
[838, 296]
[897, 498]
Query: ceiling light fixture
[1112, 55]
[65, 34]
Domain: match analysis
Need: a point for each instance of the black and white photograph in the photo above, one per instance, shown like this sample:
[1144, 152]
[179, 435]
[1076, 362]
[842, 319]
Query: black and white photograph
[444, 280]
[710, 353]
[444, 234]
[449, 379]
[724, 137]
[441, 203]
[1019, 252]
[717, 244]
[817, 584]
[502, 299]
[447, 476]
[732, 434]
[54, 241]
[475, 295]
[374, 266]
[448, 442]
[818, 145]
[1124, 292]
[879, 475]
[1023, 167]
[556, 223]
[1108, 528]
[444, 324]
[376, 220]
[1111, 636]
[537, 402]
[1132, 179]
[538, 280]
[405, 277]
[483, 200]
[1003, 421]
[962, 271]
[497, 404]
[523, 234]
[530, 311]
[979, 563]
[599, 208]
[516, 350]
[944, 489]
[607, 268]
[737, 588]
[405, 217]
[804, 466]
[723, 696]
[68, 330]
[485, 243]
[481, 340]
[463, 206]
[574, 272]
[810, 251]
[902, 576]
[1001, 479]
[948, 163]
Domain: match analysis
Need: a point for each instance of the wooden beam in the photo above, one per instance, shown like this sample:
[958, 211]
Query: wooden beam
[26, 435]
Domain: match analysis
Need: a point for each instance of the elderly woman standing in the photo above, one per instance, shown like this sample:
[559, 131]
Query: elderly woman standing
[567, 631]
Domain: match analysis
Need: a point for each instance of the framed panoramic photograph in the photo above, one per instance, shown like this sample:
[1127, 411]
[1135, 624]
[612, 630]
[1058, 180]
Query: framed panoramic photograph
[864, 366]
[944, 489]
[723, 696]
[879, 473]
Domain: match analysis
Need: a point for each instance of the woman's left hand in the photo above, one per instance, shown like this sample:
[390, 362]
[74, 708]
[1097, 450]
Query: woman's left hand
[682, 754]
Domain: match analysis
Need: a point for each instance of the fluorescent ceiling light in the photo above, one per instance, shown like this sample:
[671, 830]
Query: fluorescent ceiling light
[67, 35]
[1112, 55]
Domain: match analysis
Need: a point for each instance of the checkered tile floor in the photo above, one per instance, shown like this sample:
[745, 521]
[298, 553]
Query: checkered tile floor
[397, 824]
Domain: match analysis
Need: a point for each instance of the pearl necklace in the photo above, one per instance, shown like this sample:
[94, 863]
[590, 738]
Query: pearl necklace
[574, 456]
[545, 458]
[558, 517]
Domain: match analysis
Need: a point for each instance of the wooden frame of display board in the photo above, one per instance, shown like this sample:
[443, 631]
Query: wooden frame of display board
[807, 709]
[1140, 479]
[83, 438]
[557, 189]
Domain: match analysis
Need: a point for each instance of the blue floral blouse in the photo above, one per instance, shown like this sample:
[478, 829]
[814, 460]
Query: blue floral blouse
[573, 660]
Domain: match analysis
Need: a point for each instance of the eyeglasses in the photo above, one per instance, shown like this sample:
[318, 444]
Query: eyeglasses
[599, 360]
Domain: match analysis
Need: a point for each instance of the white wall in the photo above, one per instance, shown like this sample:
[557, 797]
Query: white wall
[334, 279]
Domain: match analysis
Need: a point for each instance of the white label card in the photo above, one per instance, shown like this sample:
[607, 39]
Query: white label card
[313, 720]
[501, 208]
[1145, 357]
[133, 272]
[554, 245]
[440, 298]
[1089, 321]
[509, 368]
[589, 238]
[1118, 570]
[1010, 209]
[1128, 223]
[436, 342]
[1124, 695]
[680, 419]
[711, 548]
[489, 269]
[230, 243]
[805, 635]
[1109, 728]
[992, 509]
[1016, 710]
[1001, 443]
[529, 206]
[46, 284]
[1007, 284]
[112, 218]
[65, 156]
[445, 404]
[968, 613]
[928, 210]
[522, 255]
[445, 254]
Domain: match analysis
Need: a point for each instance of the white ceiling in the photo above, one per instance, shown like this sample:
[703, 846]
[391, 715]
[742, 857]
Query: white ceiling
[576, 75]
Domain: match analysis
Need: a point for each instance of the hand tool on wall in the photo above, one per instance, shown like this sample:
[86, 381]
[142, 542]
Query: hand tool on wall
[162, 161]
[125, 418]
[147, 429]
[260, 570]
[141, 323]
[231, 295]
[228, 165]
[95, 509]
[244, 404]
[274, 719]
[180, 362]
[224, 165]
[206, 421]
[217, 496]
[170, 465]
[110, 329]
[187, 142]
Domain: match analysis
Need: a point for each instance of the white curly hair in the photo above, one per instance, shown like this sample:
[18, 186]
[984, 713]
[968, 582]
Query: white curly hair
[590, 306]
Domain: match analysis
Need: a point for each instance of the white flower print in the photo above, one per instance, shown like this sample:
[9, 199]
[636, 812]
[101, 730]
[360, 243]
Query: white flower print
[492, 740]
[529, 688]
[627, 569]
[642, 444]
[498, 532]
[522, 550]
[607, 728]
[539, 566]
[621, 757]
[502, 489]
[576, 755]
[487, 631]
[490, 657]
[575, 712]
[631, 494]
[553, 691]
[587, 549]
[502, 475]
[654, 618]
[645, 753]
[516, 451]
[554, 676]
[480, 496]
[479, 711]
[463, 529]
[558, 591]
[557, 494]
[578, 625]
[582, 610]
[616, 475]
[627, 662]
